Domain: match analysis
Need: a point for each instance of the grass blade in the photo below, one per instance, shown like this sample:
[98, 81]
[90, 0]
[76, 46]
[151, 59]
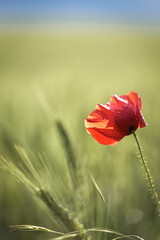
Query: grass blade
[120, 235]
[32, 228]
[71, 154]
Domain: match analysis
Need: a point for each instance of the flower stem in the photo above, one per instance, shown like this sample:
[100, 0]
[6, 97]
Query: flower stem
[148, 175]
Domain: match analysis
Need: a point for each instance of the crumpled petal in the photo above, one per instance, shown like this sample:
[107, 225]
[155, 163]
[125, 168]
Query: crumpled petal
[110, 122]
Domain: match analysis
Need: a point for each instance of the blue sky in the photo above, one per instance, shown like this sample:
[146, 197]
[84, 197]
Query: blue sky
[113, 11]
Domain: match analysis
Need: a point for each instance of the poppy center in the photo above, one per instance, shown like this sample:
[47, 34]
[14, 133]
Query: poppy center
[131, 129]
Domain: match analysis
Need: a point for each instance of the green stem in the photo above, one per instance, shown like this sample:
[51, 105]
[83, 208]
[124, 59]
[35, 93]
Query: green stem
[149, 178]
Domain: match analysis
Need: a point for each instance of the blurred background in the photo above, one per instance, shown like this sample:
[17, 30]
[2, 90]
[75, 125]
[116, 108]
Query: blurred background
[75, 54]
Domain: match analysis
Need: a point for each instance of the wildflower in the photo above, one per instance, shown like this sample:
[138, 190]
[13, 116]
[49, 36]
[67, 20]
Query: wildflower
[112, 121]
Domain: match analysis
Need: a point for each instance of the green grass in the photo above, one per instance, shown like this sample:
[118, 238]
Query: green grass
[48, 75]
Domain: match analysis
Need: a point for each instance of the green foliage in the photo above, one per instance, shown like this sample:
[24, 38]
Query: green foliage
[47, 75]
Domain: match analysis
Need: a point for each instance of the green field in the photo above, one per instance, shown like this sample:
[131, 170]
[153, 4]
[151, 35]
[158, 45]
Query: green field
[45, 76]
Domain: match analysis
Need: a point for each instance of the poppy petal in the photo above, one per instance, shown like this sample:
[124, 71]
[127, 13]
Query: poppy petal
[101, 138]
[142, 122]
[133, 97]
[117, 100]
[136, 100]
[98, 118]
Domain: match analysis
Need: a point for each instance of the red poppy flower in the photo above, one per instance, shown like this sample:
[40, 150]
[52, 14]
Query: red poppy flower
[112, 121]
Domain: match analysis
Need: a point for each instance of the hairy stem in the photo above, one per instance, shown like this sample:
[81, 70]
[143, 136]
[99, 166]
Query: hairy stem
[148, 175]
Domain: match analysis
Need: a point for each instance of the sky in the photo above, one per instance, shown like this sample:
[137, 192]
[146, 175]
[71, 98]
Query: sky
[101, 11]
